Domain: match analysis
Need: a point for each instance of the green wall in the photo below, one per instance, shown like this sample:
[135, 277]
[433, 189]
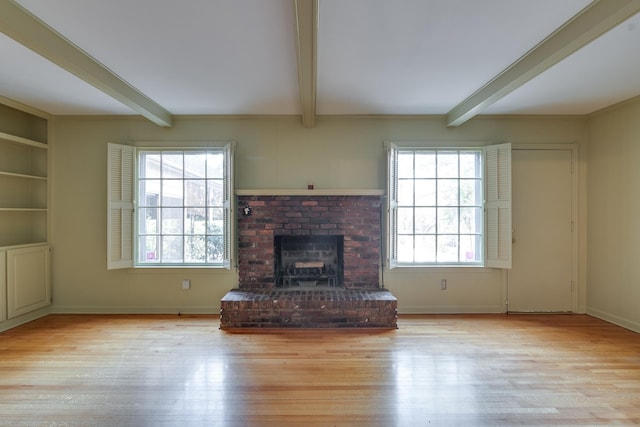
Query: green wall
[272, 153]
[614, 215]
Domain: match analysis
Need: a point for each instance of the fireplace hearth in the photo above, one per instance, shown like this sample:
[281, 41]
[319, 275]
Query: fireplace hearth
[309, 260]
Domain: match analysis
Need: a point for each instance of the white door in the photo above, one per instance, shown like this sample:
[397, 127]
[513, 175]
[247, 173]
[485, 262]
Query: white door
[540, 279]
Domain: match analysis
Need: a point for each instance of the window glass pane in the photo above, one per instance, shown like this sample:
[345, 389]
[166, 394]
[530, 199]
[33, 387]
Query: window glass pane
[195, 164]
[425, 192]
[172, 192]
[470, 165]
[215, 221]
[425, 164]
[447, 248]
[405, 249]
[215, 248]
[148, 249]
[195, 220]
[405, 220]
[149, 192]
[215, 165]
[425, 221]
[425, 249]
[195, 249]
[405, 164]
[171, 221]
[447, 164]
[447, 192]
[471, 220]
[447, 220]
[172, 165]
[470, 192]
[148, 221]
[470, 248]
[150, 165]
[405, 192]
[172, 249]
[196, 192]
[215, 192]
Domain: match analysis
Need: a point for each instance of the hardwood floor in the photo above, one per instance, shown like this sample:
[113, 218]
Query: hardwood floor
[470, 370]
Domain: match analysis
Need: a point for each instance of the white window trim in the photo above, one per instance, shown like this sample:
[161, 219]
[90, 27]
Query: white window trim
[121, 193]
[497, 208]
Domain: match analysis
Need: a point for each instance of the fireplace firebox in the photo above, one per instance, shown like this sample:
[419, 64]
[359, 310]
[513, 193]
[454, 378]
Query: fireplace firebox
[309, 261]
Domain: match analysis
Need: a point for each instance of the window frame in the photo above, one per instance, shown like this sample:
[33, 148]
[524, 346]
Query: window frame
[122, 219]
[496, 206]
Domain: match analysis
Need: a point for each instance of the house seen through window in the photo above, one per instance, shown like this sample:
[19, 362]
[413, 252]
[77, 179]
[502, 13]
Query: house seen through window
[180, 207]
[440, 218]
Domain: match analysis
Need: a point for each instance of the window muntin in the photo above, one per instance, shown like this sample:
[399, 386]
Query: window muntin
[439, 207]
[180, 218]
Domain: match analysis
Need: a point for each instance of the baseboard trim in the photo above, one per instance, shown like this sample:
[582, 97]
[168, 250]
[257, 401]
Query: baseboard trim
[451, 309]
[616, 320]
[25, 318]
[70, 309]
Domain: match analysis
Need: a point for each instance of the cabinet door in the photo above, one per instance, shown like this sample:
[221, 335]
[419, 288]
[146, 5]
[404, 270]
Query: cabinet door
[27, 279]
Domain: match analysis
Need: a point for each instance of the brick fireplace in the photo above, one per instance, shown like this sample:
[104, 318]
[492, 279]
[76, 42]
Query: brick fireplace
[309, 259]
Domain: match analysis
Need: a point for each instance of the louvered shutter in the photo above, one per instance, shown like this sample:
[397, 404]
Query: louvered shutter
[392, 206]
[228, 205]
[498, 206]
[120, 206]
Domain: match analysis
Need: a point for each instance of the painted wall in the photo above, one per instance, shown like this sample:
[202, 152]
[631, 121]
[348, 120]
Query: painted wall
[613, 211]
[271, 153]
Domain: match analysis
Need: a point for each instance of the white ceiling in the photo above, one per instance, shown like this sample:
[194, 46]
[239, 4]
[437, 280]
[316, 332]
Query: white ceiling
[241, 57]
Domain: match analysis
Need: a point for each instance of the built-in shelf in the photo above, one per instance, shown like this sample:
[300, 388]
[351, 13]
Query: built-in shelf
[24, 217]
[24, 141]
[22, 175]
[24, 209]
[303, 192]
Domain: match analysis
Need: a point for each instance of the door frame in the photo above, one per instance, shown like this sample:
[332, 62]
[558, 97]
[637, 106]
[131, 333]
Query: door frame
[575, 288]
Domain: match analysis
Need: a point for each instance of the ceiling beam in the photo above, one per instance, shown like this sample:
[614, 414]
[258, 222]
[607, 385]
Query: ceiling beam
[593, 21]
[306, 35]
[26, 29]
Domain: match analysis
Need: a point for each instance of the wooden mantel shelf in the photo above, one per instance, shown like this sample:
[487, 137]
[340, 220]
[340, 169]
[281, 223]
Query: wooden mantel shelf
[304, 192]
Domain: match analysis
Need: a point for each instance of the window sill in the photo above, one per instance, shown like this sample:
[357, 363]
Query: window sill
[193, 269]
[428, 269]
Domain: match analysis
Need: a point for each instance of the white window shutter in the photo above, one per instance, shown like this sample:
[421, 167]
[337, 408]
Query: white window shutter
[228, 204]
[498, 206]
[120, 205]
[392, 205]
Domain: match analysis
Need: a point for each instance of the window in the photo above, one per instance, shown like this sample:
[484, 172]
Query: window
[182, 216]
[443, 210]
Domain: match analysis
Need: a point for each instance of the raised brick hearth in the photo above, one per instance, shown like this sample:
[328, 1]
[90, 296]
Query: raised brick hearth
[353, 298]
[308, 308]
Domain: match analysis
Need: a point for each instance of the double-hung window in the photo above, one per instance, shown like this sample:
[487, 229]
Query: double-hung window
[178, 211]
[449, 206]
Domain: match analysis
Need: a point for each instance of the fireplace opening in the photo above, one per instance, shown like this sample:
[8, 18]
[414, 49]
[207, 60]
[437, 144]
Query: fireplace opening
[309, 261]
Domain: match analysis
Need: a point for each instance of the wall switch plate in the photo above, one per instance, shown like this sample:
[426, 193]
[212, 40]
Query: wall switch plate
[443, 285]
[186, 284]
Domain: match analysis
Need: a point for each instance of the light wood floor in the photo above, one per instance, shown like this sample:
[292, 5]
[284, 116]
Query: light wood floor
[434, 370]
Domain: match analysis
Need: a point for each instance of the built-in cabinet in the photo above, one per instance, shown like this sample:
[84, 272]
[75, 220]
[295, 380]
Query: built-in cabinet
[24, 213]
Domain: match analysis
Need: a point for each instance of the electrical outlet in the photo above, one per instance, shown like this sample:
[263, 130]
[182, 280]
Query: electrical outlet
[443, 285]
[186, 284]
